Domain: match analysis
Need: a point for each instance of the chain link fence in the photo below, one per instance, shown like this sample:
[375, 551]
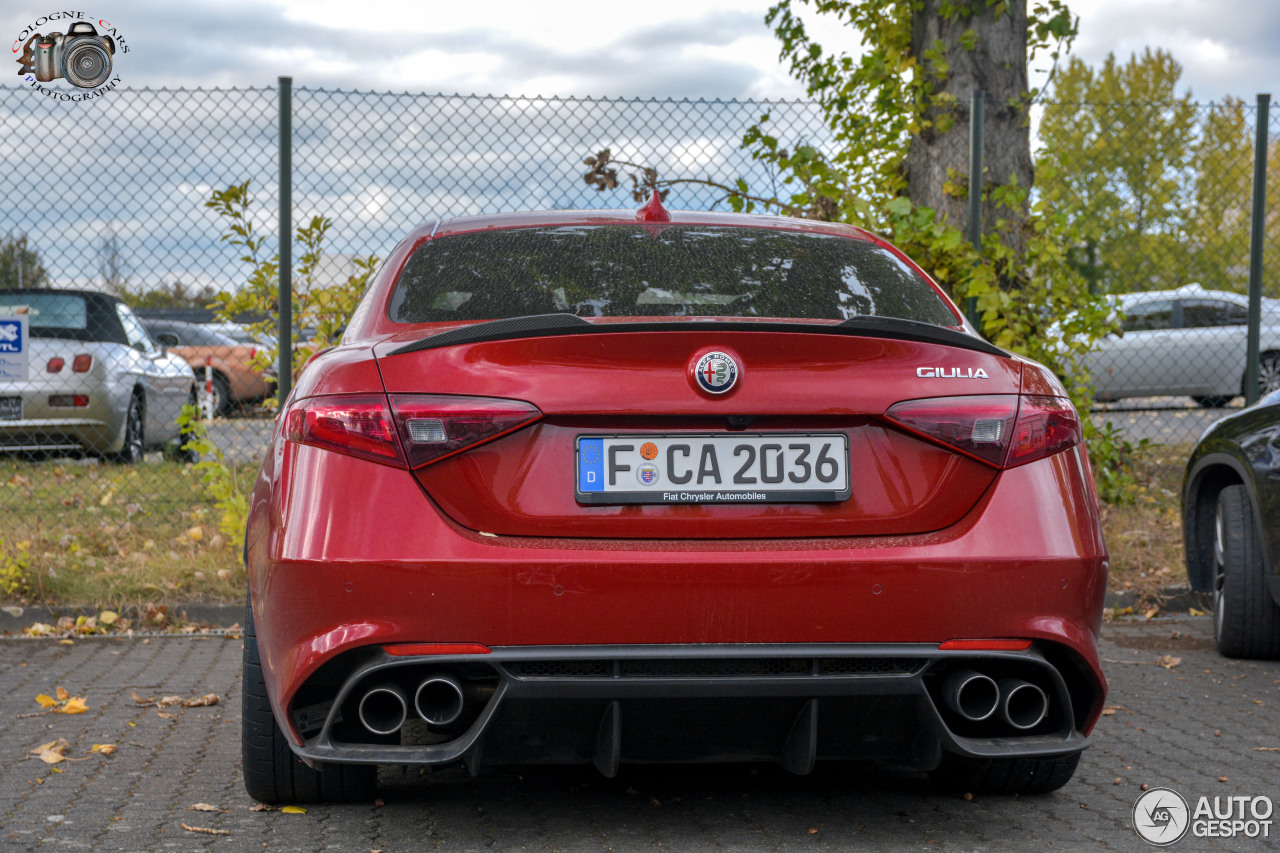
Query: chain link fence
[110, 195]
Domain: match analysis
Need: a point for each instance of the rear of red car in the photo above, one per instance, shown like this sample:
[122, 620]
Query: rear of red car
[578, 489]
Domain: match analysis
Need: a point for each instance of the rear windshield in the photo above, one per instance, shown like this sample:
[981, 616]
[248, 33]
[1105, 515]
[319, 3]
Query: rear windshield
[657, 271]
[48, 310]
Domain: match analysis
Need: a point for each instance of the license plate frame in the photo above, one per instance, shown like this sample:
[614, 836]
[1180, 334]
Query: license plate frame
[10, 408]
[592, 457]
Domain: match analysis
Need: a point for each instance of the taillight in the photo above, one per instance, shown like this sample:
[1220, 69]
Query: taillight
[253, 353]
[1045, 426]
[55, 365]
[357, 425]
[1003, 430]
[436, 426]
[82, 363]
[67, 401]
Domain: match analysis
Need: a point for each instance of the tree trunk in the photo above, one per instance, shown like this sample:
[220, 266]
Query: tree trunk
[937, 163]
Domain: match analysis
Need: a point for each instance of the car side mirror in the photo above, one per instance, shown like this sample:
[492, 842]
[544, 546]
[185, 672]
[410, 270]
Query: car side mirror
[167, 339]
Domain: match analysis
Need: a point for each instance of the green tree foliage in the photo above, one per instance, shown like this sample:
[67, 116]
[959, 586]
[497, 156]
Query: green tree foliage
[322, 308]
[172, 295]
[1120, 155]
[20, 264]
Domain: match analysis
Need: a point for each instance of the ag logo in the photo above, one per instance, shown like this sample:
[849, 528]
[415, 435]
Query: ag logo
[716, 372]
[1161, 816]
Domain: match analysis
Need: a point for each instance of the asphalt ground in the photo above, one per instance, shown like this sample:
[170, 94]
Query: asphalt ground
[1206, 726]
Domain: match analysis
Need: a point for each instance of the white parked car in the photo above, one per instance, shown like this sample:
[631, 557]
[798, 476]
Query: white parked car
[1188, 341]
[95, 381]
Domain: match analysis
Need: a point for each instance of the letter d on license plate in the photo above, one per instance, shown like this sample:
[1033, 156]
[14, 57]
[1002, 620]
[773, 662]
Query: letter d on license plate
[714, 468]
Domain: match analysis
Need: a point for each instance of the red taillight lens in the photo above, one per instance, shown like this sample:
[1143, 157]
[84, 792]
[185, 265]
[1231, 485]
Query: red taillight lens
[253, 353]
[977, 426]
[66, 401]
[357, 425]
[82, 363]
[1004, 430]
[436, 426]
[1045, 426]
[55, 365]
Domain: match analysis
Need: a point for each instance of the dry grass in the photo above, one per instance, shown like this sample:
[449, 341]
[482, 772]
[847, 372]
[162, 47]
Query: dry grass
[80, 532]
[1145, 537]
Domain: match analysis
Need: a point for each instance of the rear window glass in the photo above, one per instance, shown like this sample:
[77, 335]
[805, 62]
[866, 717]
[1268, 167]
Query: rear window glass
[48, 310]
[657, 271]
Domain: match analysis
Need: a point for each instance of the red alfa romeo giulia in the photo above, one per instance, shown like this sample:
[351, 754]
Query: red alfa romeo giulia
[601, 488]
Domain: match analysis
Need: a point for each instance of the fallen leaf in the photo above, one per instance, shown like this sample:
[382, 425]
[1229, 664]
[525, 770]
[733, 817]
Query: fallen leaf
[169, 700]
[45, 700]
[1116, 781]
[206, 807]
[74, 705]
[813, 831]
[203, 701]
[195, 534]
[53, 752]
[1222, 778]
[1168, 661]
[104, 748]
[160, 713]
[66, 642]
[261, 807]
[206, 830]
[141, 700]
[108, 617]
[1151, 614]
[1194, 612]
[63, 695]
[294, 810]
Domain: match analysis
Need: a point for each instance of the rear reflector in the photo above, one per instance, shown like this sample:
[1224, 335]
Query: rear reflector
[415, 649]
[984, 646]
[82, 363]
[435, 426]
[1003, 430]
[55, 365]
[356, 425]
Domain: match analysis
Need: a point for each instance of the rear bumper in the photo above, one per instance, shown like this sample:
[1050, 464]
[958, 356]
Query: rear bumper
[794, 704]
[333, 579]
[97, 428]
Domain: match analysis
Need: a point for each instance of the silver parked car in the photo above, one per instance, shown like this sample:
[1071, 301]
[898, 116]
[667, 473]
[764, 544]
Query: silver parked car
[95, 381]
[1188, 341]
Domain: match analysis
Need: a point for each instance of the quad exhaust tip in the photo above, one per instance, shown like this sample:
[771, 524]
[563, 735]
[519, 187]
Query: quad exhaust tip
[972, 695]
[439, 700]
[383, 709]
[1023, 705]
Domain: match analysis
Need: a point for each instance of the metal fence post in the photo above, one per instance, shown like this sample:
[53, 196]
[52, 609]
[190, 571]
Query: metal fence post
[1255, 248]
[284, 372]
[976, 104]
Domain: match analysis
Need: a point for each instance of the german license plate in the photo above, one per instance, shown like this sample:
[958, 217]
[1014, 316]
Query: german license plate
[717, 468]
[10, 408]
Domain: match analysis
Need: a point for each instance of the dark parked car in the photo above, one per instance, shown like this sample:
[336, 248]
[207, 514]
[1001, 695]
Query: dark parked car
[589, 487]
[1231, 524]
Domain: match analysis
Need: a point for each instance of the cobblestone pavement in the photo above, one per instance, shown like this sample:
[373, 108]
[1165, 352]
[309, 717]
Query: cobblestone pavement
[1184, 728]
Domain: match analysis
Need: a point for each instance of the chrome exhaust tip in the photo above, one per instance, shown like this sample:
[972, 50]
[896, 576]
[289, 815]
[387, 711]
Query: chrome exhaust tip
[383, 709]
[972, 695]
[1023, 705]
[439, 700]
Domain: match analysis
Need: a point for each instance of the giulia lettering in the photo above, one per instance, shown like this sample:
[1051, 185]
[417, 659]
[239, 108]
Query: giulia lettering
[951, 373]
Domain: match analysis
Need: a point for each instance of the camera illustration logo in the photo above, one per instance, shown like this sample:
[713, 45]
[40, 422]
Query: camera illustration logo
[1161, 817]
[82, 56]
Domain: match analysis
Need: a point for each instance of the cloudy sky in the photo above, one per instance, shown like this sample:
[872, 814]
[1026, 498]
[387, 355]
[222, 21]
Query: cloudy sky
[690, 48]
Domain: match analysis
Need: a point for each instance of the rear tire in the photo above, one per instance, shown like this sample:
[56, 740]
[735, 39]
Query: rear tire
[131, 451]
[965, 775]
[1246, 621]
[272, 773]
